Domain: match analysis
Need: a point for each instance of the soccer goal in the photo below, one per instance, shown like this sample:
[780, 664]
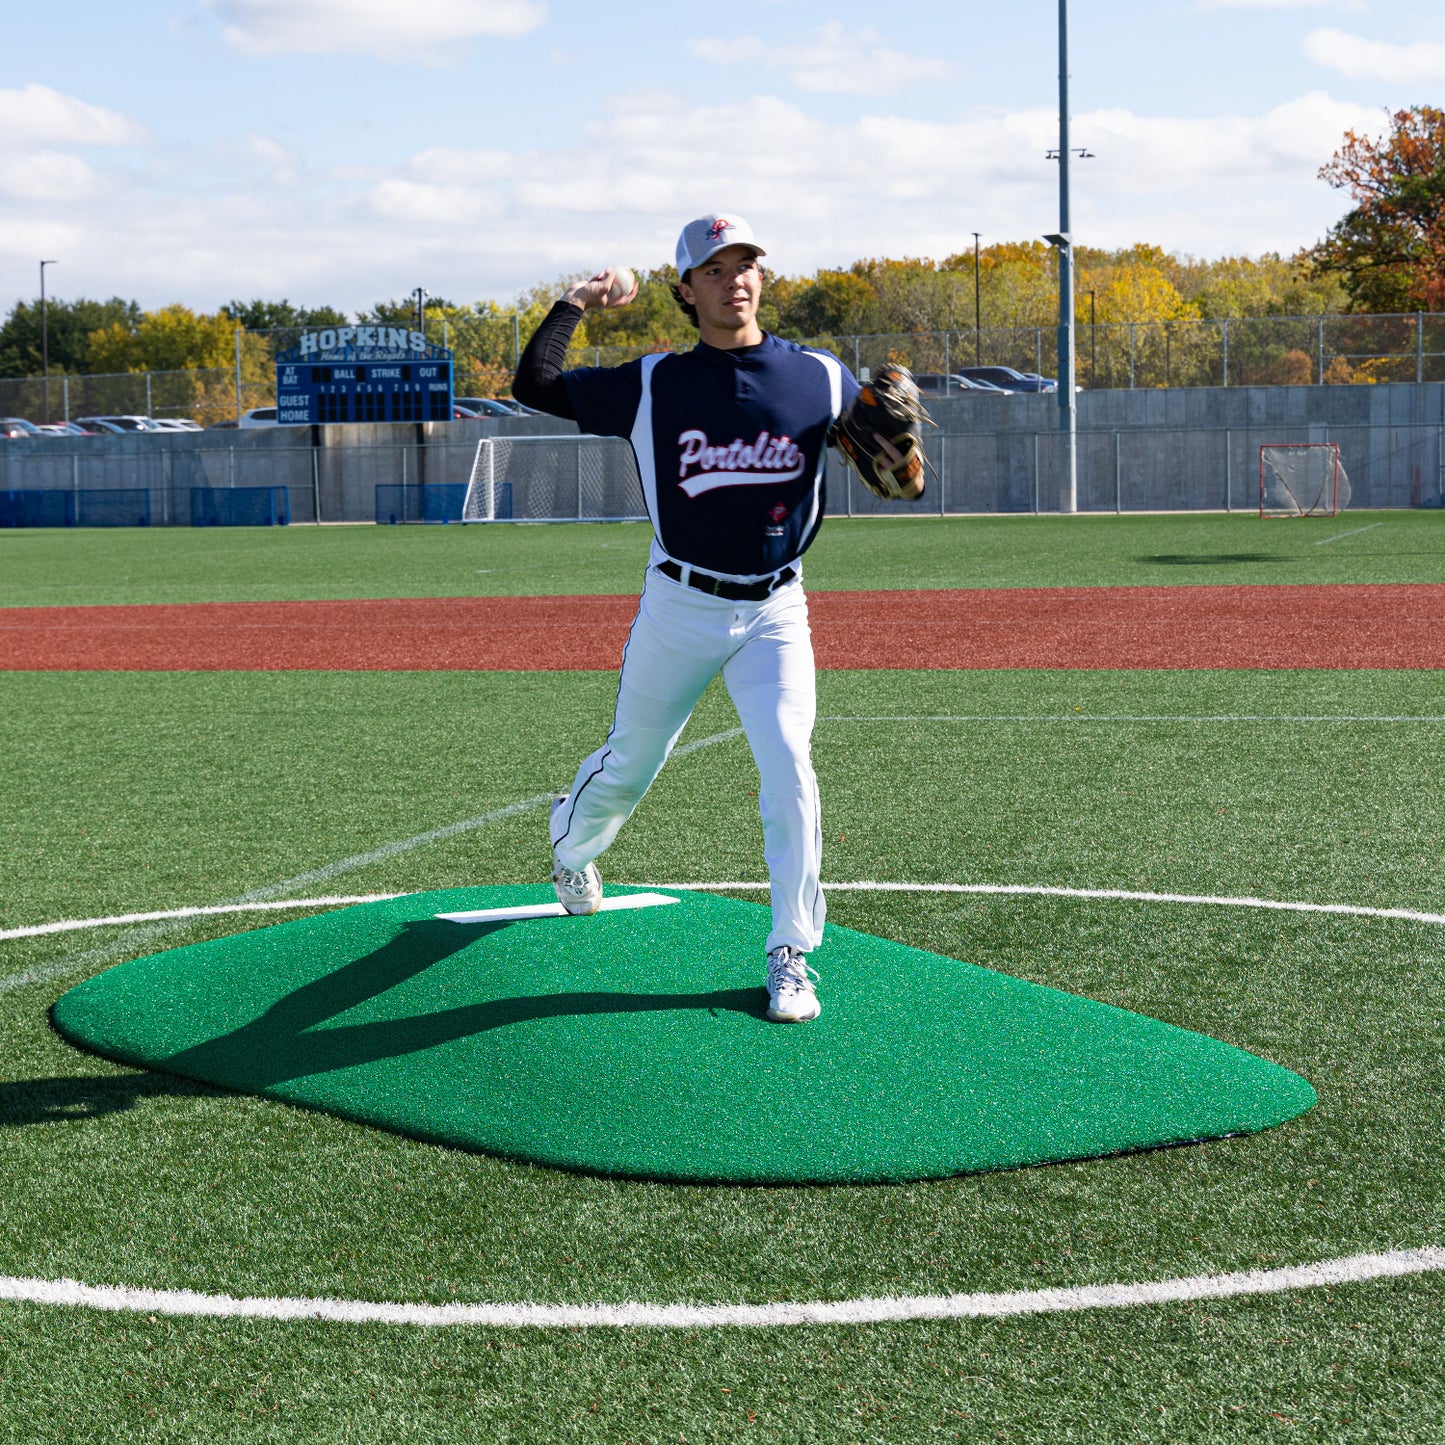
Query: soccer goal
[1302, 479]
[552, 479]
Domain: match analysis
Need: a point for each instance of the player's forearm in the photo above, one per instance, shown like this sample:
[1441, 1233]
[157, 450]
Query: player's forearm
[538, 382]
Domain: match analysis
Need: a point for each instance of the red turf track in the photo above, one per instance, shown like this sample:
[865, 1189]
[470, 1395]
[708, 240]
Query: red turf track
[1085, 627]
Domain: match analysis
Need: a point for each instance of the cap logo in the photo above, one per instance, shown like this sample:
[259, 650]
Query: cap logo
[718, 228]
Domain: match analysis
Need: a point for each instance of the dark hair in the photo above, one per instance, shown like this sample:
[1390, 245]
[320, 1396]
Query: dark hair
[688, 309]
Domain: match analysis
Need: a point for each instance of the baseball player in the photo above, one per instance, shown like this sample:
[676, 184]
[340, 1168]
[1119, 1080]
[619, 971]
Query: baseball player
[731, 444]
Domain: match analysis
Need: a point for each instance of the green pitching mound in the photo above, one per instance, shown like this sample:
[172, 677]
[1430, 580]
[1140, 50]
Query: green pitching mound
[634, 1042]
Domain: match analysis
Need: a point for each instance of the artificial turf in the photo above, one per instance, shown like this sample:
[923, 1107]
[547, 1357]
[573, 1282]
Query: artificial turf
[634, 1043]
[127, 792]
[94, 566]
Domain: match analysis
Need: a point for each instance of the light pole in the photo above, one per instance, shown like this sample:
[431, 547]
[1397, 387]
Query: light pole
[45, 340]
[420, 294]
[977, 318]
[1093, 352]
[1063, 243]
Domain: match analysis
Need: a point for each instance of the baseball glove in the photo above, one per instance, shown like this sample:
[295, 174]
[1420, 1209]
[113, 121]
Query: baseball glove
[888, 407]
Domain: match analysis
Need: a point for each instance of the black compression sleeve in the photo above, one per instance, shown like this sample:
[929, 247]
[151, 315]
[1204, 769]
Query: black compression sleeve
[538, 382]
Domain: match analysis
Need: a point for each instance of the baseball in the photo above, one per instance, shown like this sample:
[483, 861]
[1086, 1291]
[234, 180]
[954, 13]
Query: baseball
[622, 284]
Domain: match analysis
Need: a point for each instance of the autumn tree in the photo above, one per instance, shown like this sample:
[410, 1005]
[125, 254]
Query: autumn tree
[174, 338]
[1390, 248]
[260, 315]
[68, 328]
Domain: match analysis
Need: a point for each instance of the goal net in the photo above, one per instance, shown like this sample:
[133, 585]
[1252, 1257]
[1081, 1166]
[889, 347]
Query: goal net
[553, 479]
[1304, 479]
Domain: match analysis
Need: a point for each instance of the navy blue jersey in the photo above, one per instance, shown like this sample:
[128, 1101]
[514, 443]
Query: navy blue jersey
[731, 447]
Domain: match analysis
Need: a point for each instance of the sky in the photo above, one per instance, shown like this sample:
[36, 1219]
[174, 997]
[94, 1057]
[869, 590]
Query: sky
[341, 152]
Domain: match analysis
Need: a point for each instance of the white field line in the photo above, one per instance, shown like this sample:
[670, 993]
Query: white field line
[69, 925]
[868, 1310]
[1352, 1269]
[1324, 541]
[138, 937]
[1120, 894]
[646, 901]
[1138, 718]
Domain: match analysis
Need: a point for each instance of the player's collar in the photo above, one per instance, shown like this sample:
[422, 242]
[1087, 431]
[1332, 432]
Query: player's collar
[738, 353]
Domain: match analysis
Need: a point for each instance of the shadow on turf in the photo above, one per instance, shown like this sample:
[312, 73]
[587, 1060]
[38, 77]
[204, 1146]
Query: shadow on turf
[1212, 559]
[289, 1042]
[69, 1101]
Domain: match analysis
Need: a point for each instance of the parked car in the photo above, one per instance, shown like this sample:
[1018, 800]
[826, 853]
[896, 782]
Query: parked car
[17, 426]
[258, 416]
[94, 426]
[939, 383]
[1008, 379]
[484, 406]
[176, 423]
[63, 429]
[122, 423]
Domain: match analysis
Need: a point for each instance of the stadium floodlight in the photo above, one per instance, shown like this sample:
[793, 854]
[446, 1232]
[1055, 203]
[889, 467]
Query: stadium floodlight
[1063, 245]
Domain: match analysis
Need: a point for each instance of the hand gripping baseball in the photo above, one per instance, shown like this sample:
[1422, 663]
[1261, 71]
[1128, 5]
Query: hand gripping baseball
[616, 286]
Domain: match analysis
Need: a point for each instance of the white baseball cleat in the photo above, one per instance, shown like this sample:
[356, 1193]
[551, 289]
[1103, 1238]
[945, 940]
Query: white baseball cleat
[579, 890]
[791, 999]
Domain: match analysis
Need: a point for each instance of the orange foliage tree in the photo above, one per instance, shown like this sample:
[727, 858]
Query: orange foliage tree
[1391, 248]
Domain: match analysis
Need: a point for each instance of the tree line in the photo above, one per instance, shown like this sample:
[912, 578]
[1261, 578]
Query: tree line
[1386, 255]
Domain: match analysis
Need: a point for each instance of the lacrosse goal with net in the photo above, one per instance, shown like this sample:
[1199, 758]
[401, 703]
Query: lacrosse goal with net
[1302, 479]
[553, 479]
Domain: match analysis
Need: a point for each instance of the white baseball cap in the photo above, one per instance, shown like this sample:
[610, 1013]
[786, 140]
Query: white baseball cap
[710, 234]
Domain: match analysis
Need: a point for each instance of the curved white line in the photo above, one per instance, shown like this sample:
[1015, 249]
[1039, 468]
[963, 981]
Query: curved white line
[69, 925]
[1352, 1269]
[867, 1310]
[1127, 895]
[861, 886]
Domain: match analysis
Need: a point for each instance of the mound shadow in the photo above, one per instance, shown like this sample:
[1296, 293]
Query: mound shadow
[289, 1040]
[75, 1100]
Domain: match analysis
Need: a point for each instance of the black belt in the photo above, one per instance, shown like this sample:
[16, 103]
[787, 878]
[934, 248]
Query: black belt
[731, 591]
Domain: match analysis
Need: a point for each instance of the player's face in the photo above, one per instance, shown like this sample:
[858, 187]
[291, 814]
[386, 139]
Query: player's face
[726, 289]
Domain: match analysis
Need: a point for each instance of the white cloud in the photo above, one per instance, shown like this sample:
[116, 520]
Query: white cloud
[831, 60]
[271, 152]
[386, 29]
[491, 222]
[38, 115]
[727, 52]
[1421, 61]
[45, 176]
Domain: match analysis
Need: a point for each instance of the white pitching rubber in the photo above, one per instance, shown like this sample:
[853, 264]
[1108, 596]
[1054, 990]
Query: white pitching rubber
[555, 910]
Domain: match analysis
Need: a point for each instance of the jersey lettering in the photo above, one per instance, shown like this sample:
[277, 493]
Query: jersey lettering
[730, 447]
[740, 464]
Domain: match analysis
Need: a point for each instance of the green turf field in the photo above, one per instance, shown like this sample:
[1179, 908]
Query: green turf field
[134, 792]
[79, 567]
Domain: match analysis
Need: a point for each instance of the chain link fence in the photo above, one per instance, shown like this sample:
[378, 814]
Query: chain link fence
[571, 479]
[1131, 456]
[1248, 351]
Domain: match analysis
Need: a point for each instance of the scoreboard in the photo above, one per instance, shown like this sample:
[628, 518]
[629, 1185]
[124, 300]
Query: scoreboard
[363, 374]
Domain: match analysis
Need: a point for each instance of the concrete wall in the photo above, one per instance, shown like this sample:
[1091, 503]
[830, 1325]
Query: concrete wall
[1182, 448]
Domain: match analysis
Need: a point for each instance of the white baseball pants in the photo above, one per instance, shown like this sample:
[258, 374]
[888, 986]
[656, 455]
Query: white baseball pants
[680, 640]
